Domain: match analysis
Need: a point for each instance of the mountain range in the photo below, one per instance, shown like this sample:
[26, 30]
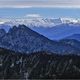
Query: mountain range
[54, 29]
[58, 32]
[46, 22]
[74, 36]
[23, 39]
[72, 42]
[35, 51]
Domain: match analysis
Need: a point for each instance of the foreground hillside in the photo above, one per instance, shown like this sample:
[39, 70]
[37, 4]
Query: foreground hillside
[39, 65]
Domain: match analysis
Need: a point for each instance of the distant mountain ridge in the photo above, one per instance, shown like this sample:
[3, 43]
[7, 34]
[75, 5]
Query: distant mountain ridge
[52, 28]
[54, 33]
[59, 31]
[46, 22]
[31, 22]
[74, 36]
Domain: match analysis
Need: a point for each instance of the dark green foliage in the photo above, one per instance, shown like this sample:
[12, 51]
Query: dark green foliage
[39, 65]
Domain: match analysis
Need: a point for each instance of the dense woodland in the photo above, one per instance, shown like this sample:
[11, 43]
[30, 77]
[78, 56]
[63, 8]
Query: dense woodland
[38, 65]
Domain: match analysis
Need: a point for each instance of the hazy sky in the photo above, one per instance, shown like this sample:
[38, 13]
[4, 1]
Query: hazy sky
[40, 8]
[39, 3]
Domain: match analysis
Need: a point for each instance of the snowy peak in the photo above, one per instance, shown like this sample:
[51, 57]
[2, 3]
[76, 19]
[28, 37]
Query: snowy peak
[45, 22]
[70, 20]
[33, 23]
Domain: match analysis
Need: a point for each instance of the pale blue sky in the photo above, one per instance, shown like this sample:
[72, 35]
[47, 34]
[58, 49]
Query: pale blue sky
[44, 12]
[44, 8]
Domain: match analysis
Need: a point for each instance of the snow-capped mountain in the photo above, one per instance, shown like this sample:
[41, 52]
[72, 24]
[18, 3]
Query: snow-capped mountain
[37, 22]
[52, 28]
[70, 20]
[23, 39]
[31, 22]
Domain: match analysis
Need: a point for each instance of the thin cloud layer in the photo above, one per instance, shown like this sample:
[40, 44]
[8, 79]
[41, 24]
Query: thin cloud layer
[33, 15]
[39, 3]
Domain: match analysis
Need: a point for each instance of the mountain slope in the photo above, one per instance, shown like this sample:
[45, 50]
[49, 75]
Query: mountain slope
[6, 27]
[39, 65]
[74, 36]
[72, 42]
[23, 39]
[54, 29]
[59, 31]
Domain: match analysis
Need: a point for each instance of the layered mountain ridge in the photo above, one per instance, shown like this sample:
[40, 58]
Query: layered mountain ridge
[40, 52]
[46, 22]
[74, 36]
[23, 39]
[52, 28]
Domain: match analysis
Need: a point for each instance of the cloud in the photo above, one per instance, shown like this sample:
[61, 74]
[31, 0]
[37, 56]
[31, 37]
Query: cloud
[40, 3]
[33, 15]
